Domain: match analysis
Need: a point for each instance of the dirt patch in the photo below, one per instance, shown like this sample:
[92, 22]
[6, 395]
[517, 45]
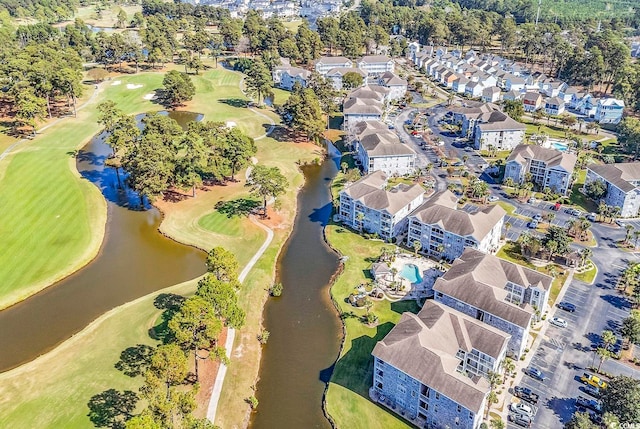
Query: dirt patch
[273, 220]
[208, 370]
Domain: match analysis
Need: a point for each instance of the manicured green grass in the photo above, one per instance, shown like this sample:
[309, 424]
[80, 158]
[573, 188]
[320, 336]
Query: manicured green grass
[280, 96]
[53, 391]
[554, 131]
[511, 252]
[578, 199]
[589, 275]
[51, 221]
[509, 208]
[347, 398]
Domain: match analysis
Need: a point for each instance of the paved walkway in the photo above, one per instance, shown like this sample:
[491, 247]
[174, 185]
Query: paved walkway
[8, 150]
[222, 371]
[216, 391]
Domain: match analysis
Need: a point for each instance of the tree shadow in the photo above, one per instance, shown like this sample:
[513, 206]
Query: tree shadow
[617, 301]
[354, 370]
[321, 215]
[561, 407]
[238, 207]
[171, 303]
[135, 360]
[404, 306]
[112, 408]
[234, 102]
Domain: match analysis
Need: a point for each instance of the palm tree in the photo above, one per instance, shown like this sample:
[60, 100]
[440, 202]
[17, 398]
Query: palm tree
[417, 245]
[525, 241]
[550, 217]
[615, 212]
[552, 248]
[360, 218]
[440, 250]
[584, 229]
[507, 227]
[585, 254]
[602, 211]
[608, 339]
[492, 398]
[508, 366]
[508, 182]
[629, 229]
[572, 227]
[636, 235]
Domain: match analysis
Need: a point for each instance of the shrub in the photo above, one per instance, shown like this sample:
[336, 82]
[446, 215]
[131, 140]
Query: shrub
[276, 289]
[263, 336]
[252, 401]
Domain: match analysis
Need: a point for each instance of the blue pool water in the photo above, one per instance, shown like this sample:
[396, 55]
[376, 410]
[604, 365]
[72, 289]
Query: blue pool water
[562, 147]
[411, 273]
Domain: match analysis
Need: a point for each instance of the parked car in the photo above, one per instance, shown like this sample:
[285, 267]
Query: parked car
[468, 149]
[526, 394]
[619, 222]
[534, 373]
[458, 164]
[591, 390]
[522, 408]
[492, 199]
[537, 218]
[591, 404]
[566, 306]
[593, 380]
[573, 212]
[533, 224]
[591, 217]
[520, 420]
[556, 321]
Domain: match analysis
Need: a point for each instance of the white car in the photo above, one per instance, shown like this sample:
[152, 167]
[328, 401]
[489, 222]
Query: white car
[521, 408]
[556, 321]
[492, 199]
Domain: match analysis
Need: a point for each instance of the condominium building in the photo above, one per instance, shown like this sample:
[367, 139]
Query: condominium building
[623, 185]
[367, 103]
[497, 292]
[498, 130]
[444, 232]
[549, 168]
[432, 367]
[376, 64]
[609, 111]
[324, 64]
[397, 86]
[286, 77]
[367, 205]
[379, 149]
[336, 76]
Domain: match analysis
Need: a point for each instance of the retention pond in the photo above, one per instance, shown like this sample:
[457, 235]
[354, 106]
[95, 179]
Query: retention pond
[305, 328]
[134, 260]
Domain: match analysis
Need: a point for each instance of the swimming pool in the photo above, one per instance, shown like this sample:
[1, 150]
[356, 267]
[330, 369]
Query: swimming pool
[558, 145]
[411, 273]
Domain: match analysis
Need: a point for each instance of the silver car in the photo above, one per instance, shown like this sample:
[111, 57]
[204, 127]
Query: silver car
[556, 321]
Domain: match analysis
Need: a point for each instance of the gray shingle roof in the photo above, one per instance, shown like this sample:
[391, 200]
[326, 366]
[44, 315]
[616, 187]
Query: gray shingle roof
[476, 225]
[341, 71]
[525, 152]
[499, 121]
[479, 279]
[424, 346]
[620, 175]
[374, 59]
[332, 60]
[371, 193]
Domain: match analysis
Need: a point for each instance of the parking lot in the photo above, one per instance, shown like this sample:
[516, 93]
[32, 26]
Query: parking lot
[565, 353]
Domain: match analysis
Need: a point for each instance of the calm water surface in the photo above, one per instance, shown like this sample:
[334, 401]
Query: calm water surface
[304, 325]
[134, 260]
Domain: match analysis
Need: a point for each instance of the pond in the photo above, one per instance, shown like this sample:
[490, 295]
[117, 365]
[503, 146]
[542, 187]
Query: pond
[305, 329]
[135, 259]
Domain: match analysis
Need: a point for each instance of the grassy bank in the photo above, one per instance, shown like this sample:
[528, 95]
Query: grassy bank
[53, 391]
[58, 385]
[347, 397]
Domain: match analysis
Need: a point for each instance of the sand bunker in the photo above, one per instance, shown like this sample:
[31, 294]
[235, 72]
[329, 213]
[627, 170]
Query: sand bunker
[231, 124]
[149, 96]
[132, 86]
[116, 82]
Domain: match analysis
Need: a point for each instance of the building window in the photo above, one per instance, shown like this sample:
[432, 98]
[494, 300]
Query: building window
[402, 390]
[437, 396]
[470, 415]
[459, 408]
